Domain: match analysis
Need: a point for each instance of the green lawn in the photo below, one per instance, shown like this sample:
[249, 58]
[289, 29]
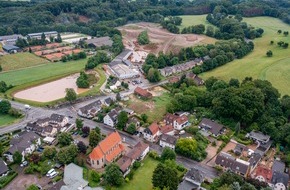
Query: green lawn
[7, 119]
[142, 177]
[190, 20]
[42, 72]
[20, 60]
[276, 69]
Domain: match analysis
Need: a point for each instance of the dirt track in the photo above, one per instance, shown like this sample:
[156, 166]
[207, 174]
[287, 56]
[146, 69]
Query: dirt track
[160, 39]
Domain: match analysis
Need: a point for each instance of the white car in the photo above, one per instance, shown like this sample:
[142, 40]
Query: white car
[53, 174]
[50, 172]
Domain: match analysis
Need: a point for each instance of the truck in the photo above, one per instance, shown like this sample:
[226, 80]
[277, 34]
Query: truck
[27, 107]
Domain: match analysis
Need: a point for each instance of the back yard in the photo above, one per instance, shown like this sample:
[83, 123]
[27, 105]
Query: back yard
[6, 120]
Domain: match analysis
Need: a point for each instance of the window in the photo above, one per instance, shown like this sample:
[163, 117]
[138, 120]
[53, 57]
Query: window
[98, 162]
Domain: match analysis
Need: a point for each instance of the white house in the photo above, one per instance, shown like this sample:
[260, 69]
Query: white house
[116, 85]
[180, 122]
[58, 120]
[167, 141]
[111, 117]
[90, 110]
[151, 133]
[25, 143]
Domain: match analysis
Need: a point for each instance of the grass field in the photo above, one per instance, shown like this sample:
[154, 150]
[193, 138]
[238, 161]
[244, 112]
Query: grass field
[142, 177]
[6, 120]
[155, 109]
[41, 72]
[189, 20]
[20, 60]
[275, 69]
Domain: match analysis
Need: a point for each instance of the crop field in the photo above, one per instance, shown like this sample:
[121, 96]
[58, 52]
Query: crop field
[275, 69]
[20, 60]
[33, 74]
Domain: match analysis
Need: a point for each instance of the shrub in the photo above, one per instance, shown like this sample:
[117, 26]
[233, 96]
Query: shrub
[154, 155]
[127, 180]
[7, 179]
[136, 165]
[130, 175]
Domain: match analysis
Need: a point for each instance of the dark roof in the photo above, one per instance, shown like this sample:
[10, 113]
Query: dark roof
[124, 163]
[102, 41]
[22, 142]
[195, 175]
[113, 114]
[3, 167]
[56, 117]
[278, 166]
[10, 47]
[90, 106]
[214, 127]
[133, 120]
[186, 185]
[168, 139]
[263, 147]
[280, 177]
[137, 151]
[258, 136]
[255, 158]
[239, 148]
[57, 186]
[108, 101]
[142, 92]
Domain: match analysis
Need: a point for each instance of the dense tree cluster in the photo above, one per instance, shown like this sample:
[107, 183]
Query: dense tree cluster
[74, 56]
[4, 87]
[100, 57]
[196, 29]
[171, 24]
[83, 80]
[143, 38]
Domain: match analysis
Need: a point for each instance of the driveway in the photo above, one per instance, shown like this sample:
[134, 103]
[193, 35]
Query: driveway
[211, 153]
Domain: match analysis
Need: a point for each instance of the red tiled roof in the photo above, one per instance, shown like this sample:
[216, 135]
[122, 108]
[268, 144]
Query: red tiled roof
[116, 152]
[142, 92]
[174, 79]
[265, 172]
[153, 128]
[181, 120]
[166, 129]
[96, 154]
[110, 141]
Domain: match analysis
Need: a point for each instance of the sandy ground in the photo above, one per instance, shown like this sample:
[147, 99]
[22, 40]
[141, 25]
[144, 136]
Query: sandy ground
[160, 39]
[211, 153]
[50, 91]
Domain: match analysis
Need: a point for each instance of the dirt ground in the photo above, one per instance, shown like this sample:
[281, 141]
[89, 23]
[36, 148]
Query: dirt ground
[160, 39]
[229, 146]
[211, 152]
[157, 91]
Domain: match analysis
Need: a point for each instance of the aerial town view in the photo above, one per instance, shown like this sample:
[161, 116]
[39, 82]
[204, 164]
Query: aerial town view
[144, 95]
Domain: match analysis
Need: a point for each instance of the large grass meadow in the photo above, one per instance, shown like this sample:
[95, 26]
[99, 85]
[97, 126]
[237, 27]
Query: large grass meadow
[275, 69]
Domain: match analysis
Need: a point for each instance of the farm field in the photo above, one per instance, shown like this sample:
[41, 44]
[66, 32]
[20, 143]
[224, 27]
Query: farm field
[28, 75]
[155, 109]
[275, 69]
[189, 20]
[142, 177]
[6, 120]
[20, 60]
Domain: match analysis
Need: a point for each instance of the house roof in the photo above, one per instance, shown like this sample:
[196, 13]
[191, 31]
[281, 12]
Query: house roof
[11, 37]
[3, 167]
[22, 142]
[255, 158]
[181, 119]
[102, 41]
[142, 92]
[134, 120]
[106, 145]
[278, 166]
[174, 79]
[264, 171]
[57, 117]
[108, 101]
[280, 177]
[214, 127]
[57, 186]
[168, 139]
[90, 106]
[10, 47]
[239, 148]
[73, 177]
[258, 136]
[124, 163]
[113, 114]
[166, 129]
[137, 150]
[153, 128]
[195, 175]
[186, 185]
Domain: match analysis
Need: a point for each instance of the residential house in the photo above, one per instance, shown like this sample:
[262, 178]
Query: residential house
[177, 121]
[142, 93]
[167, 141]
[11, 48]
[124, 164]
[128, 111]
[263, 174]
[254, 160]
[192, 180]
[111, 117]
[89, 111]
[107, 151]
[239, 148]
[151, 133]
[279, 180]
[167, 71]
[25, 143]
[108, 101]
[99, 42]
[167, 129]
[212, 127]
[174, 79]
[58, 120]
[258, 137]
[133, 120]
[196, 79]
[263, 148]
[228, 162]
[3, 168]
[115, 83]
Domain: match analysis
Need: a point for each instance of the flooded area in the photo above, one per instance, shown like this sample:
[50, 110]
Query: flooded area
[50, 91]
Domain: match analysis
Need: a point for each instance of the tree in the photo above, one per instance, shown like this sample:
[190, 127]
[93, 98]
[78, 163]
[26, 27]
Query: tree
[79, 123]
[153, 75]
[168, 154]
[143, 38]
[235, 186]
[49, 152]
[58, 38]
[279, 31]
[67, 154]
[3, 86]
[5, 106]
[186, 147]
[238, 128]
[94, 138]
[1, 68]
[269, 53]
[64, 139]
[286, 33]
[271, 42]
[118, 96]
[43, 38]
[82, 147]
[131, 128]
[95, 176]
[210, 31]
[35, 157]
[164, 176]
[144, 117]
[86, 130]
[83, 80]
[32, 187]
[113, 175]
[71, 95]
[122, 120]
[17, 157]
[285, 45]
[51, 39]
[234, 83]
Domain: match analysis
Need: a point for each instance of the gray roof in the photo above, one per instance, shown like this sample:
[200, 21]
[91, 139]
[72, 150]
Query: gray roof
[57, 117]
[278, 166]
[10, 37]
[113, 114]
[214, 127]
[280, 177]
[255, 158]
[90, 106]
[99, 42]
[24, 140]
[3, 167]
[186, 185]
[108, 101]
[40, 33]
[258, 136]
[73, 177]
[195, 175]
[10, 47]
[239, 148]
[168, 139]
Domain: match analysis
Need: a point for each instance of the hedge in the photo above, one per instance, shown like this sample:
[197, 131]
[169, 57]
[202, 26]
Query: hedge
[7, 179]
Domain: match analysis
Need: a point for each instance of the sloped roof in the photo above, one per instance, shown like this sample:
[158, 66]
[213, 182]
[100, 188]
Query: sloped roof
[215, 128]
[3, 167]
[168, 139]
[166, 129]
[137, 151]
[181, 119]
[153, 128]
[124, 163]
[142, 92]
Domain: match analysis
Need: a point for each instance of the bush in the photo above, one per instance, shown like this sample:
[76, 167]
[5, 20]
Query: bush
[127, 180]
[154, 155]
[131, 175]
[180, 168]
[136, 165]
[7, 179]
[221, 147]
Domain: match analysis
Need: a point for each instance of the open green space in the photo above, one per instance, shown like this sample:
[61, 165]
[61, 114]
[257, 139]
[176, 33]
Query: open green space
[190, 20]
[20, 60]
[41, 72]
[142, 177]
[275, 69]
[7, 119]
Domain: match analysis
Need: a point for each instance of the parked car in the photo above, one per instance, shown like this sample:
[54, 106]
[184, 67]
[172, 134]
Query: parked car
[53, 174]
[50, 172]
[24, 163]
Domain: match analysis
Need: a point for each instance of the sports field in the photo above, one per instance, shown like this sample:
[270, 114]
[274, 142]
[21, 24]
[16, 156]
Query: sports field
[276, 69]
[33, 74]
[20, 60]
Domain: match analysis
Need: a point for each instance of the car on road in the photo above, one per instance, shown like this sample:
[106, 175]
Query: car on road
[27, 107]
[23, 164]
